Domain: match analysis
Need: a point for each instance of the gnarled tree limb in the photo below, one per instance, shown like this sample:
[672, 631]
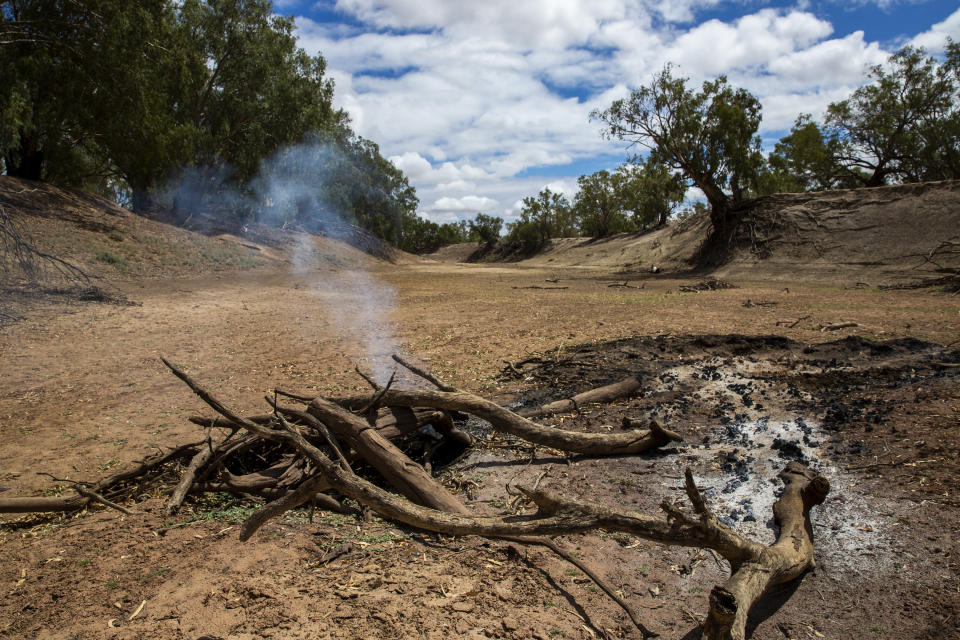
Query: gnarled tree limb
[507, 421]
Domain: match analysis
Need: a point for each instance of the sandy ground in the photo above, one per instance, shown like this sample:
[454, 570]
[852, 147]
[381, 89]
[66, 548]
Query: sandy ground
[83, 393]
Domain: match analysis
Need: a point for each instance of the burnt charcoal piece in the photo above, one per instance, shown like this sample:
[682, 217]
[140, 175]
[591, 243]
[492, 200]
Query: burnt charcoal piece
[787, 449]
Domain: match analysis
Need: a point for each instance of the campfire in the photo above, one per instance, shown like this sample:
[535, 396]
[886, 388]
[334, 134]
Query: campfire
[314, 451]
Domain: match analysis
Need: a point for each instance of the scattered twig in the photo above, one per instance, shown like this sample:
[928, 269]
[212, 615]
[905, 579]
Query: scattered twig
[295, 396]
[838, 326]
[790, 324]
[537, 286]
[624, 285]
[426, 375]
[371, 409]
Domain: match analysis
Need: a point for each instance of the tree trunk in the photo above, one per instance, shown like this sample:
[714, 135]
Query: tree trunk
[27, 162]
[141, 199]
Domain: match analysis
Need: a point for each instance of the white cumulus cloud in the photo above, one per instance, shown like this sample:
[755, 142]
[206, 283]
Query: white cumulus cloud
[935, 39]
[469, 99]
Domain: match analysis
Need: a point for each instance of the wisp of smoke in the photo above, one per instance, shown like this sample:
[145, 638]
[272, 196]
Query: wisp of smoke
[299, 187]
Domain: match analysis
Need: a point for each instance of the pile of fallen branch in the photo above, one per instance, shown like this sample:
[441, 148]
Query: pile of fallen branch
[311, 454]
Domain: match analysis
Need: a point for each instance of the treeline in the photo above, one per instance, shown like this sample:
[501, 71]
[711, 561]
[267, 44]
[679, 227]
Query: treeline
[122, 98]
[903, 126]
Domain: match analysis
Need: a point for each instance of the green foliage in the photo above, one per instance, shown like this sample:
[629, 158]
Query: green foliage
[599, 205]
[486, 228]
[524, 237]
[119, 97]
[424, 236]
[71, 71]
[649, 190]
[548, 215]
[905, 125]
[805, 160]
[708, 136]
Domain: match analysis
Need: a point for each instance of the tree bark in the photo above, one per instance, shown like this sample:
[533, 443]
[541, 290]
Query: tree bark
[28, 161]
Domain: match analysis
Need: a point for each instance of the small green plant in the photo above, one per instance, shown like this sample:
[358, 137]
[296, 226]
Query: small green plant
[550, 603]
[156, 573]
[572, 572]
[111, 584]
[694, 589]
[53, 492]
[108, 464]
[115, 235]
[83, 563]
[878, 629]
[223, 506]
[108, 257]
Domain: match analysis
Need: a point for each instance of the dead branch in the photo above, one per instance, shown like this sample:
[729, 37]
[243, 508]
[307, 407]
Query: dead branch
[838, 326]
[406, 476]
[20, 257]
[58, 504]
[624, 285]
[93, 495]
[382, 455]
[189, 476]
[291, 500]
[623, 389]
[537, 286]
[507, 421]
[371, 409]
[295, 396]
[42, 505]
[754, 566]
[426, 375]
[321, 428]
[790, 324]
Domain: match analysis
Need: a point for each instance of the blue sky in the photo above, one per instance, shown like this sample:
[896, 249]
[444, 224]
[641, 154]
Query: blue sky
[483, 102]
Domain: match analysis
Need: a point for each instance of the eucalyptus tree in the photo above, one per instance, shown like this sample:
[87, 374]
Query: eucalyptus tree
[708, 136]
[905, 124]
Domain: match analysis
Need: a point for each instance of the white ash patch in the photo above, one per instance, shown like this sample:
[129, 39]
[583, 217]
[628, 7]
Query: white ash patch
[747, 385]
[745, 455]
[744, 459]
